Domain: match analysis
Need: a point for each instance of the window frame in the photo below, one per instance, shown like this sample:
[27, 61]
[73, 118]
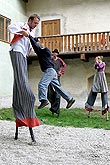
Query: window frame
[4, 33]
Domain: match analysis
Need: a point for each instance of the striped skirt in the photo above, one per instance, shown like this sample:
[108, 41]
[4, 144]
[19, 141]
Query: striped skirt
[23, 97]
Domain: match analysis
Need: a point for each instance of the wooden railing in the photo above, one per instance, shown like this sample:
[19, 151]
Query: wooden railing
[78, 43]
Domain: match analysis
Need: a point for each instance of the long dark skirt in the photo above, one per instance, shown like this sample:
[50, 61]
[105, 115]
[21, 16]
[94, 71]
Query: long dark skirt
[23, 97]
[54, 98]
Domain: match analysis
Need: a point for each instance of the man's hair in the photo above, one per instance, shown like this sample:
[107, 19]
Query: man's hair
[34, 16]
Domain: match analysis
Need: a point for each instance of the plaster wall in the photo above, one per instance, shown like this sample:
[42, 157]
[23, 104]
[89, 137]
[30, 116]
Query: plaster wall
[14, 10]
[77, 16]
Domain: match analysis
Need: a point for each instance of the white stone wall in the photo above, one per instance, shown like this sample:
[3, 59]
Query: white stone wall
[15, 10]
[77, 16]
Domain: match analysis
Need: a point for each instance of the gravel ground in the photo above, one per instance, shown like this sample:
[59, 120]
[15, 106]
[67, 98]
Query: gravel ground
[55, 146]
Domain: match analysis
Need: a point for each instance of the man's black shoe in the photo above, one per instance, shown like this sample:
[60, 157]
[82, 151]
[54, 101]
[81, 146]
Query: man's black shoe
[70, 103]
[43, 104]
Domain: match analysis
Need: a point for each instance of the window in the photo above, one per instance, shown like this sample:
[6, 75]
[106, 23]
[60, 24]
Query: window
[51, 27]
[4, 33]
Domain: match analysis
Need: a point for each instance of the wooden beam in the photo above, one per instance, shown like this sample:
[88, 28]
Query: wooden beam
[83, 57]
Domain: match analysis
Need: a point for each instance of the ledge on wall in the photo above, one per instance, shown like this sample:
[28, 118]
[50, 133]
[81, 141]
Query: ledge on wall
[83, 57]
[25, 1]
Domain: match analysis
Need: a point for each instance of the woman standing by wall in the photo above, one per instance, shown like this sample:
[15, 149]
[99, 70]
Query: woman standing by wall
[99, 86]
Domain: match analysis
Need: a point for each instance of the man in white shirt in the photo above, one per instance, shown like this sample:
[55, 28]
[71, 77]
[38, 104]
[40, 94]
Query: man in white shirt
[23, 97]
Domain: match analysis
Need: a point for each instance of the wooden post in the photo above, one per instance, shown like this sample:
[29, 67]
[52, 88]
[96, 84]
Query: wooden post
[83, 57]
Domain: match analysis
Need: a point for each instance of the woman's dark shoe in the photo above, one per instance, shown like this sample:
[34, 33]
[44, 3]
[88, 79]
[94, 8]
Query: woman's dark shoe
[88, 109]
[105, 110]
